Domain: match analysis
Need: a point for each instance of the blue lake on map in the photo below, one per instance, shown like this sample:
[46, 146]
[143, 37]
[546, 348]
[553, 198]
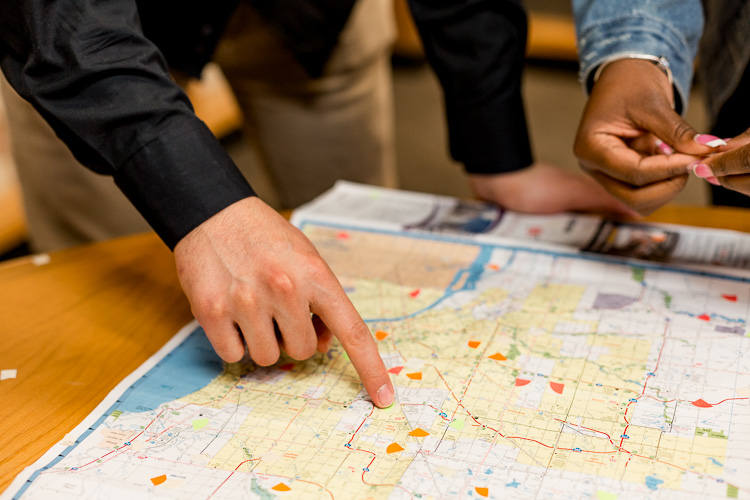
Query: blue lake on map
[189, 367]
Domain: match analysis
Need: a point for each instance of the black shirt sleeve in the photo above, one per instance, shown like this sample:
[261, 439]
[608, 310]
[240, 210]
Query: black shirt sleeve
[105, 89]
[477, 49]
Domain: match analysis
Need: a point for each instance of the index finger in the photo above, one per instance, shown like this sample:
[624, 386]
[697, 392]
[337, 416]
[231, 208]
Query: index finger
[339, 314]
[734, 162]
[610, 155]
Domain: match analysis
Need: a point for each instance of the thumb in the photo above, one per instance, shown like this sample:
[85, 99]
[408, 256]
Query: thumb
[668, 126]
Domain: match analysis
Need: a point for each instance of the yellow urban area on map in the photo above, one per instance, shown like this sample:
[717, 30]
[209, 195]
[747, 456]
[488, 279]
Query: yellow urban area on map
[518, 374]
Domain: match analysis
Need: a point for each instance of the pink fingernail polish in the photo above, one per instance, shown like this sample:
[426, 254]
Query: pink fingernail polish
[664, 148]
[709, 140]
[701, 170]
[713, 180]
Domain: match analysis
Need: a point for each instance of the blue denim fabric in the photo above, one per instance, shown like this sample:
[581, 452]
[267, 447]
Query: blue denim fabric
[669, 28]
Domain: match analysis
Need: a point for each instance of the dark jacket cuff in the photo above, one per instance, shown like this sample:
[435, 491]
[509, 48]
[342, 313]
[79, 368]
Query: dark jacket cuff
[180, 179]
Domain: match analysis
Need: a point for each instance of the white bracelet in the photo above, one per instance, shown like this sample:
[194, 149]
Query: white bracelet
[661, 62]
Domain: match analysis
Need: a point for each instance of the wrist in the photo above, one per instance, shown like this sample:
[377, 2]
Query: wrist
[626, 67]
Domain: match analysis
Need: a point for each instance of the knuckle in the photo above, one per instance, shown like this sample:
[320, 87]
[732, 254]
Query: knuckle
[744, 157]
[231, 355]
[682, 130]
[280, 282]
[209, 309]
[357, 334]
[636, 177]
[265, 357]
[245, 298]
[301, 350]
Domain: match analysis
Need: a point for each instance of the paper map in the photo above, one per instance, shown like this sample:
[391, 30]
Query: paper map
[519, 373]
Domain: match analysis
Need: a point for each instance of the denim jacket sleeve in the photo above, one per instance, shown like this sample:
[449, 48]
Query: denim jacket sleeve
[668, 28]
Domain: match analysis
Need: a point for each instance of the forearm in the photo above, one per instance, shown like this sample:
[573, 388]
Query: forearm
[476, 48]
[106, 91]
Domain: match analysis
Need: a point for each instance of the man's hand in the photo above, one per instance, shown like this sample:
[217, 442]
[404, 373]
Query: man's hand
[543, 188]
[630, 108]
[730, 167]
[246, 269]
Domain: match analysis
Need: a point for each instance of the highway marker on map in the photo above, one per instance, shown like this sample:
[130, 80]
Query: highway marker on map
[419, 433]
[730, 298]
[380, 335]
[705, 317]
[482, 492]
[394, 448]
[281, 487]
[498, 357]
[415, 376]
[494, 267]
[158, 479]
[414, 293]
[474, 344]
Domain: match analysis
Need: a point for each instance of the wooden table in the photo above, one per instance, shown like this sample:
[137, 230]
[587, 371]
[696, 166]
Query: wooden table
[76, 326]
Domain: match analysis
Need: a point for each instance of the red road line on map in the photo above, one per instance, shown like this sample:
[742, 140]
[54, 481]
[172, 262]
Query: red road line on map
[360, 426]
[124, 446]
[374, 456]
[729, 399]
[230, 475]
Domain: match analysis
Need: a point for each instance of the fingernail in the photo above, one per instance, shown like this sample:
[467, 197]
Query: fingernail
[701, 170]
[384, 396]
[709, 140]
[664, 148]
[727, 140]
[713, 180]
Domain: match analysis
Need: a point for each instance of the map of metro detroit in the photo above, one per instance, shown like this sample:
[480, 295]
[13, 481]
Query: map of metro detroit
[519, 374]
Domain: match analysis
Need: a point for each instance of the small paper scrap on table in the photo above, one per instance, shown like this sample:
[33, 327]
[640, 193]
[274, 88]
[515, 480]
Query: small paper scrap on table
[8, 374]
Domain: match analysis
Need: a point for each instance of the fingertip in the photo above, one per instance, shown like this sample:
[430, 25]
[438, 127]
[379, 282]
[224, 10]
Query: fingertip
[385, 396]
[709, 140]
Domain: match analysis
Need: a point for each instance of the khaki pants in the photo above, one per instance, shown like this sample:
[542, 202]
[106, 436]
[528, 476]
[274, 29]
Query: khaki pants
[305, 133]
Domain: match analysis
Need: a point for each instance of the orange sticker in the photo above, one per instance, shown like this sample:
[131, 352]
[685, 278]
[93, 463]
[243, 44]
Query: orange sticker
[498, 357]
[414, 293]
[281, 487]
[494, 267]
[394, 448]
[380, 335]
[396, 370]
[420, 433]
[520, 382]
[557, 387]
[415, 376]
[474, 344]
[482, 492]
[730, 298]
[158, 479]
[702, 404]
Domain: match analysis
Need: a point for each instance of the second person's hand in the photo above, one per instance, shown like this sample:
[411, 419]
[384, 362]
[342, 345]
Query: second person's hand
[631, 104]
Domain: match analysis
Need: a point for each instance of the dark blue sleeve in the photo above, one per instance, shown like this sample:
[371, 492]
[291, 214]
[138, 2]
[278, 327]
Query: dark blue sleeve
[477, 49]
